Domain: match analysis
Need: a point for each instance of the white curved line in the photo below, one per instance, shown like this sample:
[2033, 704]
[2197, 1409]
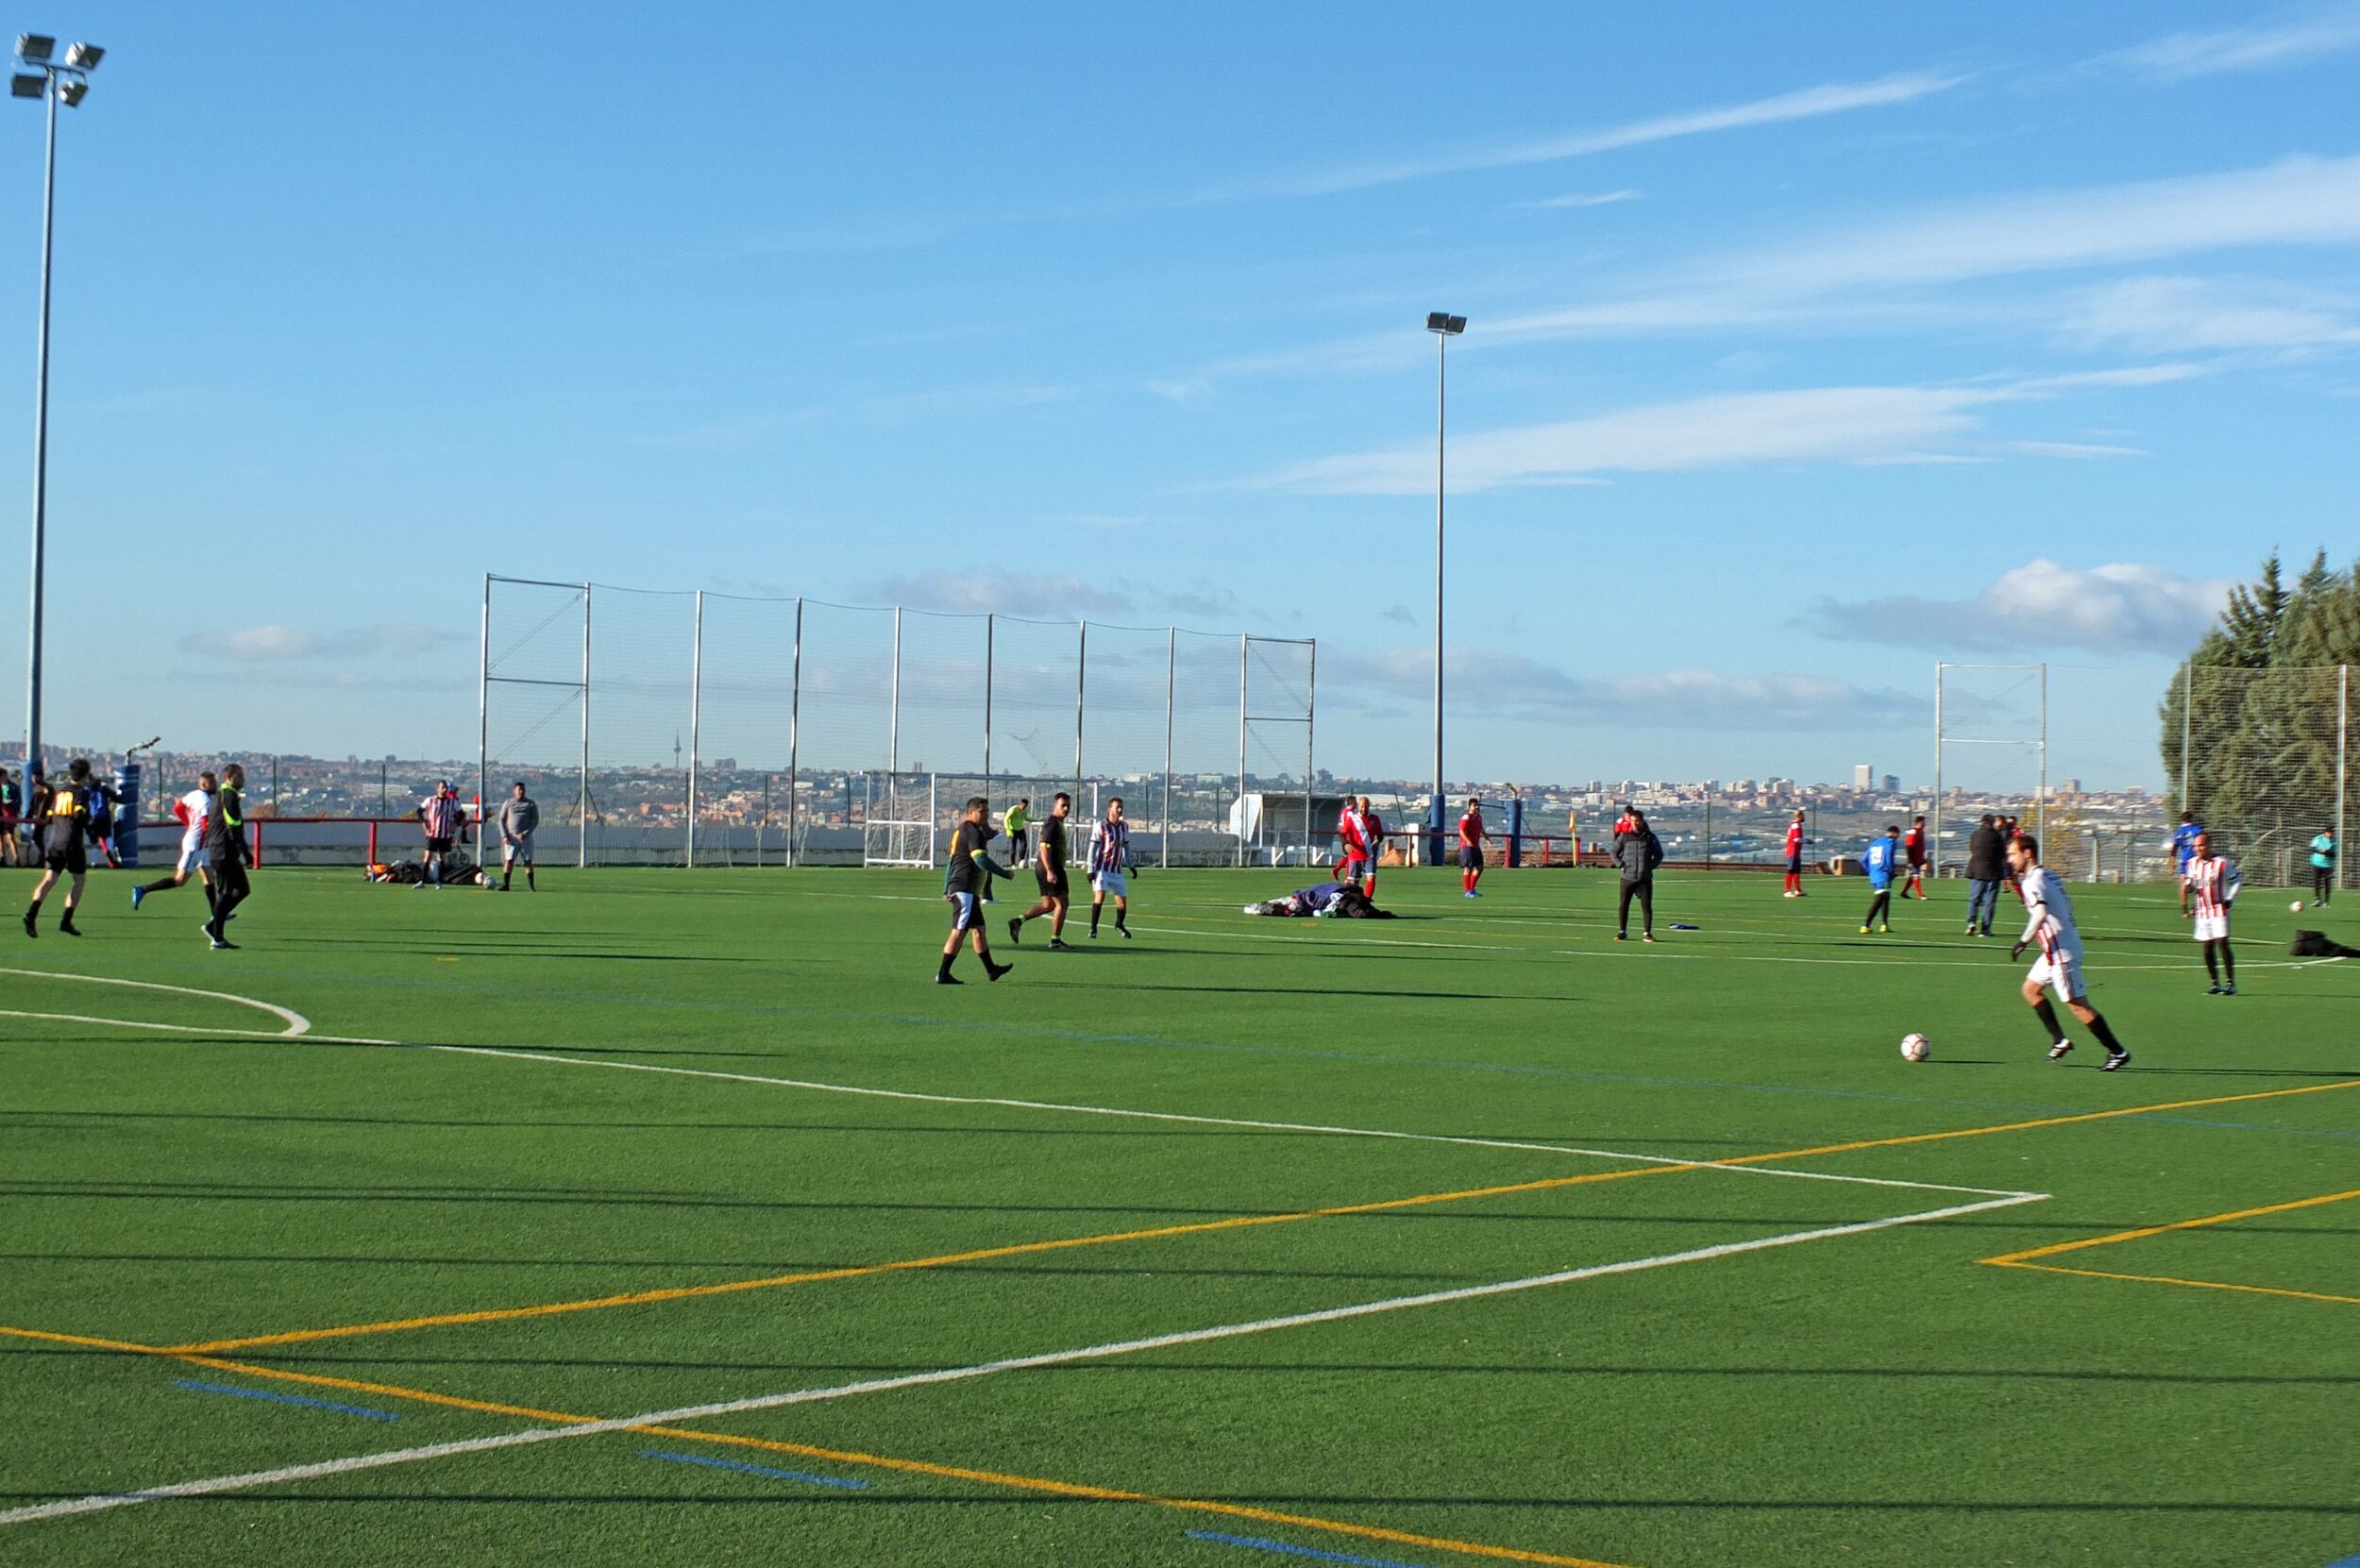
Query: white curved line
[297, 1024]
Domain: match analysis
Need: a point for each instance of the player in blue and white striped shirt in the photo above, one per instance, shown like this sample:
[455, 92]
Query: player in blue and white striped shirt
[1110, 866]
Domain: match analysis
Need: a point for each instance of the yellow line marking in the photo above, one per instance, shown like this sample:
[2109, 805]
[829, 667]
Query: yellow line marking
[2024, 1259]
[639, 1298]
[2177, 1224]
[940, 1260]
[882, 1461]
[1110, 1494]
[2168, 1280]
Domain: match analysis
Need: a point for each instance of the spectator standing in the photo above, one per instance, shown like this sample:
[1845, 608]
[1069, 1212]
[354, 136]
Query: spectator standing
[520, 814]
[1985, 871]
[1636, 853]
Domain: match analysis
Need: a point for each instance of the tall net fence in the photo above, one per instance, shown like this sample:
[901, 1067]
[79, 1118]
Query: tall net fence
[2263, 757]
[663, 728]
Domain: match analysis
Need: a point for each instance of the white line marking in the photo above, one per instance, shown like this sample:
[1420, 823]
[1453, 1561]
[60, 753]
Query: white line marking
[813, 1087]
[297, 1024]
[288, 1473]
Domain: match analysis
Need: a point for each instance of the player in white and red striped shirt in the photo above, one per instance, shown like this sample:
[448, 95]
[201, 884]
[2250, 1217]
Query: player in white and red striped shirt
[2207, 888]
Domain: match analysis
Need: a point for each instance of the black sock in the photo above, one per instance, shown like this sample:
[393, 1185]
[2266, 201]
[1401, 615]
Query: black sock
[2229, 962]
[948, 960]
[1094, 919]
[2046, 1013]
[2211, 964]
[1121, 916]
[2104, 1034]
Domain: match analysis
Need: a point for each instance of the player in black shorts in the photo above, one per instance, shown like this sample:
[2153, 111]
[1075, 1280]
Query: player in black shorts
[963, 888]
[224, 845]
[61, 816]
[1057, 894]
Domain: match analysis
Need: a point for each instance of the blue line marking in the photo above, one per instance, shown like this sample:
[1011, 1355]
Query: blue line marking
[2351, 1561]
[1260, 1544]
[843, 1482]
[360, 1411]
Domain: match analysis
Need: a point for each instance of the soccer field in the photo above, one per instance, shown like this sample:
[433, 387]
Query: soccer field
[669, 1217]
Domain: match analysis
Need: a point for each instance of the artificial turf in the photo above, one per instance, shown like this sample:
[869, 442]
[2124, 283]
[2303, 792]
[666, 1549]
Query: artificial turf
[1873, 1396]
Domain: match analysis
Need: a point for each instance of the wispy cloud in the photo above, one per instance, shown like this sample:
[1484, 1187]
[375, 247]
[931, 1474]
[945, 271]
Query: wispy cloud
[1513, 685]
[275, 644]
[2177, 315]
[1805, 104]
[1055, 596]
[1860, 424]
[2178, 56]
[1602, 199]
[2120, 608]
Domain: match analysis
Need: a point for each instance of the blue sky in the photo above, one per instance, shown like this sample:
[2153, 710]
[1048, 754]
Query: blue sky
[1808, 346]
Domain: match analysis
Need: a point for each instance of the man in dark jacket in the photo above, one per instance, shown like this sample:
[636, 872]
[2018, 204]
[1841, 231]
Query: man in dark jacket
[1637, 852]
[1984, 873]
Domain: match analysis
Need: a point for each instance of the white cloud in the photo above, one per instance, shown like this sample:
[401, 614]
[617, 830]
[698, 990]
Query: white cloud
[289, 644]
[1866, 424]
[2174, 314]
[2121, 608]
[1059, 596]
[1495, 682]
[2180, 56]
[1805, 104]
[1602, 199]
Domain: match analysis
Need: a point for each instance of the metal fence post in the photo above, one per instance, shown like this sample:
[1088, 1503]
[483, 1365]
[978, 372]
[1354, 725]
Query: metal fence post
[696, 717]
[2343, 750]
[2042, 812]
[1310, 719]
[1242, 670]
[794, 739]
[893, 723]
[1081, 692]
[2187, 729]
[484, 705]
[989, 621]
[1172, 668]
[1937, 843]
[581, 813]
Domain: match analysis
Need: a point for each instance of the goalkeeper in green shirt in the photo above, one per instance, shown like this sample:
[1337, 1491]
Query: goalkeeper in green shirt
[2323, 864]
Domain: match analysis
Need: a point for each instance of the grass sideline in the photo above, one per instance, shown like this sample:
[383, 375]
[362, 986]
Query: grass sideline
[197, 1204]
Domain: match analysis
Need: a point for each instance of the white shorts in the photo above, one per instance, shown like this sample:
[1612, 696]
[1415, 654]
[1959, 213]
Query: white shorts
[1112, 883]
[2212, 928]
[2060, 972]
[193, 857]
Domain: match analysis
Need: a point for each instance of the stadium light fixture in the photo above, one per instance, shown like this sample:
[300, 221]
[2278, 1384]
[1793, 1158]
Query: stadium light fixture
[1444, 327]
[55, 82]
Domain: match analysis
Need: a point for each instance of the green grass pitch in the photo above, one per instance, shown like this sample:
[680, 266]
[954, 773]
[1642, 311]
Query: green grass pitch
[372, 1304]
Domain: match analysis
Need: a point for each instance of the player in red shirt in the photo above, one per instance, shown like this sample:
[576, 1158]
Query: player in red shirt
[1795, 858]
[1471, 837]
[1913, 850]
[1372, 836]
[1351, 843]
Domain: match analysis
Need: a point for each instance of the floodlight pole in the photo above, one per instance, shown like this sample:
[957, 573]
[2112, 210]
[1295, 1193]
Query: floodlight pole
[1441, 355]
[41, 444]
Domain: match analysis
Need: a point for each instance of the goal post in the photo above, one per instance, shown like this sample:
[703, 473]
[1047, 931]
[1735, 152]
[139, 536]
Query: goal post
[899, 820]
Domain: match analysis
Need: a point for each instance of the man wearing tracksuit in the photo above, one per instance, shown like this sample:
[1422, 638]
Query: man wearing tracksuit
[1880, 860]
[1637, 852]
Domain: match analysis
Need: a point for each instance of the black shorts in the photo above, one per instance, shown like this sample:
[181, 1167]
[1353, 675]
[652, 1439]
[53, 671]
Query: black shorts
[1470, 858]
[1051, 887]
[73, 861]
[438, 846]
[1793, 864]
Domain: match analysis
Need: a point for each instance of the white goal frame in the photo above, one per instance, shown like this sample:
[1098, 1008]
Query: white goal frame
[893, 833]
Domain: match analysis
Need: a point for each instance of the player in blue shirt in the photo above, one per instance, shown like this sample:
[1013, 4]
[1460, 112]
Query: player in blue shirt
[1879, 860]
[2183, 839]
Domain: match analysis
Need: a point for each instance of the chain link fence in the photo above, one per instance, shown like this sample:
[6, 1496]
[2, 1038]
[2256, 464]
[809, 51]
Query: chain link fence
[706, 728]
[2263, 757]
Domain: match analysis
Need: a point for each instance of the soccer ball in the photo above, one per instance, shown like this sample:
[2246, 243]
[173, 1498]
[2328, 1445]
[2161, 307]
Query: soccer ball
[1914, 1048]
[2296, 907]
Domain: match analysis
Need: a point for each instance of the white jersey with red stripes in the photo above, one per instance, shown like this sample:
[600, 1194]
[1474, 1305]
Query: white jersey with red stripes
[2212, 887]
[191, 811]
[2049, 916]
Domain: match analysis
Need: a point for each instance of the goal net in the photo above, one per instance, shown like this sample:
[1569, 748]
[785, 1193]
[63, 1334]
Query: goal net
[899, 820]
